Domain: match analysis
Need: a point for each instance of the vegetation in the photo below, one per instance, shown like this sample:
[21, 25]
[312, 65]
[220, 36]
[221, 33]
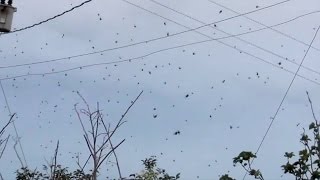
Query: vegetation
[304, 166]
[152, 172]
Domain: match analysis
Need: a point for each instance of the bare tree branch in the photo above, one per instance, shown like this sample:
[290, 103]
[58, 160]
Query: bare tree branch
[97, 141]
[116, 158]
[17, 154]
[105, 156]
[3, 147]
[53, 175]
[312, 110]
[7, 124]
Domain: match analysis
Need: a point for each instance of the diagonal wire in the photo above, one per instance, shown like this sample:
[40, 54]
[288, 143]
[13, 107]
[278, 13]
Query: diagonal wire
[211, 38]
[13, 123]
[167, 49]
[178, 33]
[148, 55]
[154, 39]
[151, 40]
[262, 24]
[49, 19]
[240, 39]
[285, 95]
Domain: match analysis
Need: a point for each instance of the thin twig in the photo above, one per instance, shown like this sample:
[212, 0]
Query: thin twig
[311, 105]
[122, 117]
[112, 149]
[97, 141]
[105, 156]
[55, 161]
[17, 154]
[5, 141]
[5, 126]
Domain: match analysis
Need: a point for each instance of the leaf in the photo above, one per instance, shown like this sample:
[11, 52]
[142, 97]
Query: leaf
[226, 177]
[289, 155]
[312, 125]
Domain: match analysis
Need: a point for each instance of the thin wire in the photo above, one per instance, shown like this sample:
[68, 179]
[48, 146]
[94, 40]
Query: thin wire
[156, 39]
[156, 52]
[182, 32]
[243, 40]
[147, 55]
[49, 19]
[285, 95]
[218, 39]
[13, 123]
[216, 22]
[134, 44]
[262, 24]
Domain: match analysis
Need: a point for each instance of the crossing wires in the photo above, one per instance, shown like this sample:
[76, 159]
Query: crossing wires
[175, 34]
[156, 39]
[264, 25]
[285, 95]
[159, 51]
[237, 37]
[15, 128]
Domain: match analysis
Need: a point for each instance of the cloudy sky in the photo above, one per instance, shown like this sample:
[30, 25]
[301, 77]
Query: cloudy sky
[219, 90]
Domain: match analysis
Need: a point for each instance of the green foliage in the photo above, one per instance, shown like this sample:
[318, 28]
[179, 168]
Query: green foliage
[27, 174]
[307, 164]
[152, 172]
[305, 167]
[245, 159]
[59, 173]
[226, 177]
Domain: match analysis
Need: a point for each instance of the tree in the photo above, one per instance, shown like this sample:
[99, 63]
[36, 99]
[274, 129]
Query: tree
[97, 135]
[304, 167]
[152, 172]
[307, 164]
[4, 140]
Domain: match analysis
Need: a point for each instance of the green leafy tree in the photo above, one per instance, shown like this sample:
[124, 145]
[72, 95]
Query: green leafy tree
[226, 177]
[60, 173]
[152, 172]
[304, 166]
[307, 163]
[245, 159]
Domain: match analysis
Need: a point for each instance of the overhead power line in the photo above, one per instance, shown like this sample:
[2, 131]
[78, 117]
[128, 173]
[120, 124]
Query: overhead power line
[14, 125]
[182, 32]
[237, 37]
[262, 24]
[145, 56]
[162, 37]
[150, 40]
[216, 39]
[285, 95]
[156, 52]
[47, 20]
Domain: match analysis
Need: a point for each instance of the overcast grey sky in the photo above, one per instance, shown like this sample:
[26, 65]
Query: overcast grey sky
[234, 82]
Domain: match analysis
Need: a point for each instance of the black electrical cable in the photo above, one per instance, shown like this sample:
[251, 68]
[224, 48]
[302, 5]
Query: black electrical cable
[182, 32]
[240, 39]
[47, 20]
[262, 24]
[285, 95]
[150, 40]
[147, 55]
